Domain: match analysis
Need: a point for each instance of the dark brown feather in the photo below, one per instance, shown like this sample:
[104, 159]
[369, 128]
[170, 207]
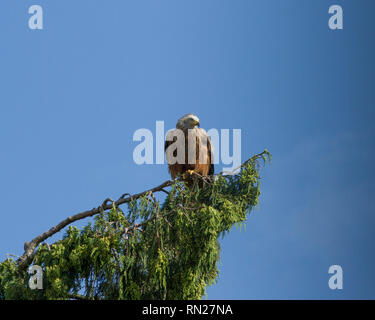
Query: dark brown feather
[204, 169]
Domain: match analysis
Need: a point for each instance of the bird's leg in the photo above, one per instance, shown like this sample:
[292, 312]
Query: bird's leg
[188, 172]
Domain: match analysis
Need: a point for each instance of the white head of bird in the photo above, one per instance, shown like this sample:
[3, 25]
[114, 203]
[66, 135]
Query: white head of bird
[188, 121]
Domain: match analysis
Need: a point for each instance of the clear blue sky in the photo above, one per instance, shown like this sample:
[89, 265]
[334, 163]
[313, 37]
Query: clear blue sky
[73, 94]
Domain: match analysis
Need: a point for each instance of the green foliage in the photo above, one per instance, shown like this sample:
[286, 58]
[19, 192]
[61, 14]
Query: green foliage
[151, 251]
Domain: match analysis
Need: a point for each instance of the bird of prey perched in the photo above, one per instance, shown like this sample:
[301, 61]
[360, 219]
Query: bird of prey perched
[188, 149]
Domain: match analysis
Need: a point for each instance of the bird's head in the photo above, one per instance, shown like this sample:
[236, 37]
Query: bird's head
[188, 121]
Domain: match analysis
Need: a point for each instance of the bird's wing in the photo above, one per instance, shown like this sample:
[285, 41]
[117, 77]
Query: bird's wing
[210, 151]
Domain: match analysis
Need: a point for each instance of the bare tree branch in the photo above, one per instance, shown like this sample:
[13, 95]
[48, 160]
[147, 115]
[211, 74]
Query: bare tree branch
[29, 247]
[25, 260]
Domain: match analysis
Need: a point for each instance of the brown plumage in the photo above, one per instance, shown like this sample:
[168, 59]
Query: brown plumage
[183, 156]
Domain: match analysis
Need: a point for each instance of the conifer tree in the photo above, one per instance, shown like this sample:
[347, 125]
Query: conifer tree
[159, 244]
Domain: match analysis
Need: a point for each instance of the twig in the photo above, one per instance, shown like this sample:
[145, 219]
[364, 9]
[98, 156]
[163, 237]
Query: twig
[77, 296]
[165, 191]
[253, 158]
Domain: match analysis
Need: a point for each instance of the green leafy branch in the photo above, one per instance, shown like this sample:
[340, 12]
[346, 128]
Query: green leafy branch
[149, 251]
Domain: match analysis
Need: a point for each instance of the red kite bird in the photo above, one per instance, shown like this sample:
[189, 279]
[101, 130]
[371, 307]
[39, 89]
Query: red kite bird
[188, 148]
